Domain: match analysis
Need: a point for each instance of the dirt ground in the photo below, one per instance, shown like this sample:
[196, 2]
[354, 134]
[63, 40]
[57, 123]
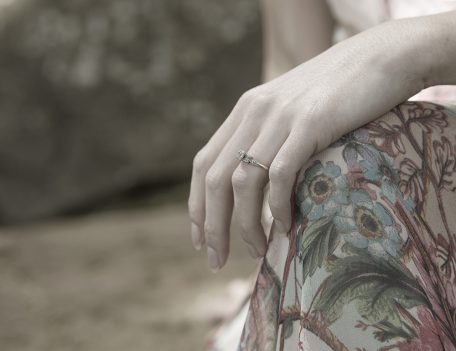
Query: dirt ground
[119, 279]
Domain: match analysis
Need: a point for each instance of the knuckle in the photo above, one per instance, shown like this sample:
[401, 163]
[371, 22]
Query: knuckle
[254, 100]
[209, 229]
[249, 96]
[214, 180]
[211, 234]
[200, 162]
[195, 214]
[277, 208]
[288, 107]
[258, 104]
[278, 172]
[240, 179]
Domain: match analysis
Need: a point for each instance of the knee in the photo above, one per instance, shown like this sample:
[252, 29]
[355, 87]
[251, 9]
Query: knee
[358, 184]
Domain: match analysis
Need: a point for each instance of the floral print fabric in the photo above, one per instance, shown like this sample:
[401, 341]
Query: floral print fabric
[370, 261]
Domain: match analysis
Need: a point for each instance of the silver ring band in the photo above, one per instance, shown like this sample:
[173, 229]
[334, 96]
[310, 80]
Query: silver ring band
[244, 157]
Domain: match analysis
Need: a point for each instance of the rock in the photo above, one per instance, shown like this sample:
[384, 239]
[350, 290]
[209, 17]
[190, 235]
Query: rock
[99, 96]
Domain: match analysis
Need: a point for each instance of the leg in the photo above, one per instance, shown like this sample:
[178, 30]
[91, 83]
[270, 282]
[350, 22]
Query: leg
[370, 261]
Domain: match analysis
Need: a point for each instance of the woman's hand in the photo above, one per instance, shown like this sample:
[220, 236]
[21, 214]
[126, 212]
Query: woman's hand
[284, 122]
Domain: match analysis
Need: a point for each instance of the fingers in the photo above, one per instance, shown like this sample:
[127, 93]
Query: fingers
[220, 180]
[248, 185]
[219, 204]
[296, 150]
[219, 194]
[201, 164]
[196, 200]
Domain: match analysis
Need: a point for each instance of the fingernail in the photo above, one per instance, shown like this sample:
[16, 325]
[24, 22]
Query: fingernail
[253, 251]
[213, 259]
[281, 227]
[196, 237]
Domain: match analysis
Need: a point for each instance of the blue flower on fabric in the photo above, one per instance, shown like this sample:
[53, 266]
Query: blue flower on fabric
[366, 224]
[354, 143]
[322, 191]
[377, 166]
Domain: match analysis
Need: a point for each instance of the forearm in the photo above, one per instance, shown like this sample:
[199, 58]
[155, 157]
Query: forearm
[387, 65]
[442, 53]
[421, 50]
[363, 77]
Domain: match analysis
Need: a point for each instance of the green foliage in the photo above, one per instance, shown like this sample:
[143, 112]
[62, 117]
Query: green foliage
[375, 285]
[317, 242]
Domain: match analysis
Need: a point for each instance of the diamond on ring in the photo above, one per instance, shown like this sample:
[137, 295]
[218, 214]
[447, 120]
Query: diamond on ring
[244, 157]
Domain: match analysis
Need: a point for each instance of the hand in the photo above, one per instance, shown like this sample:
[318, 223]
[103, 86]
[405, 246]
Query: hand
[284, 122]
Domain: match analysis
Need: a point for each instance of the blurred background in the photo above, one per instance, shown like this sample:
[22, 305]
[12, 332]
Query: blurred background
[103, 104]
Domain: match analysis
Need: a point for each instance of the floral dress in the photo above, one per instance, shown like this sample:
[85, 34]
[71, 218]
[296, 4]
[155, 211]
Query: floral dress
[370, 260]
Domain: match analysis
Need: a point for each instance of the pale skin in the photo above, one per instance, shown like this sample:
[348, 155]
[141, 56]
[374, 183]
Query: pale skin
[313, 95]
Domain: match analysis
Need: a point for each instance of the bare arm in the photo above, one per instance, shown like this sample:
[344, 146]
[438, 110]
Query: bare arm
[283, 122]
[431, 48]
[294, 31]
